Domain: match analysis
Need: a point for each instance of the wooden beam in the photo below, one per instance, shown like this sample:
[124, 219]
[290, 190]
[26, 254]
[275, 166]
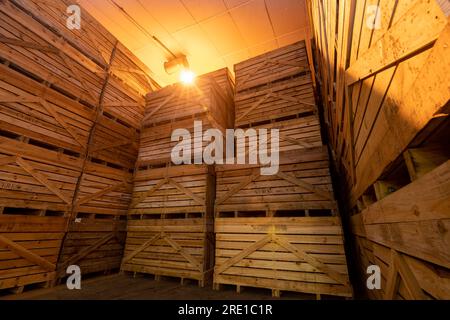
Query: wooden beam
[305, 185]
[186, 191]
[7, 160]
[52, 111]
[254, 105]
[148, 193]
[27, 254]
[30, 45]
[99, 194]
[408, 278]
[400, 40]
[255, 175]
[83, 253]
[19, 99]
[241, 255]
[122, 104]
[302, 255]
[141, 248]
[185, 254]
[42, 179]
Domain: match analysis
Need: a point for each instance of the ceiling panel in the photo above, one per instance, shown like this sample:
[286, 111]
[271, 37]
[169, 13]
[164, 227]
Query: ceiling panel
[224, 34]
[171, 14]
[253, 22]
[211, 33]
[286, 15]
[204, 9]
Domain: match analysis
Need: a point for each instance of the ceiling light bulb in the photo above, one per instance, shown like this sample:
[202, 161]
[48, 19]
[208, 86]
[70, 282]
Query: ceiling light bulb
[187, 76]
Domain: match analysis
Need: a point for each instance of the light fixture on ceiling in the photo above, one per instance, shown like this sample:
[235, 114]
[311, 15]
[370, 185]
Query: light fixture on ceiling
[180, 63]
[176, 63]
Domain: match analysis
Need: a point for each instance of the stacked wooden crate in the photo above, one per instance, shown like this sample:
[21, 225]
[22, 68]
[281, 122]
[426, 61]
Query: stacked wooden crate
[280, 231]
[69, 121]
[170, 231]
[385, 92]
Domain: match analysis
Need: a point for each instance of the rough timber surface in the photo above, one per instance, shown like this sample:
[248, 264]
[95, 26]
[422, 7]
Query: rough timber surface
[303, 254]
[224, 80]
[303, 182]
[275, 102]
[385, 93]
[103, 191]
[178, 101]
[168, 190]
[156, 145]
[181, 248]
[298, 133]
[33, 177]
[29, 249]
[94, 245]
[272, 66]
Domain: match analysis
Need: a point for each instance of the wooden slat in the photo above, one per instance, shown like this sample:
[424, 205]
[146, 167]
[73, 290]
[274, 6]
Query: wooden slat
[27, 254]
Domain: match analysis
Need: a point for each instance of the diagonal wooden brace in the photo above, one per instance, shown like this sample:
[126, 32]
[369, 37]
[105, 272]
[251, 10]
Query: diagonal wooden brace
[303, 184]
[247, 251]
[141, 248]
[183, 252]
[42, 179]
[302, 255]
[27, 254]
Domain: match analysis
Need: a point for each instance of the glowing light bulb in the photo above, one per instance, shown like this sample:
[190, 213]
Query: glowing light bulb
[187, 76]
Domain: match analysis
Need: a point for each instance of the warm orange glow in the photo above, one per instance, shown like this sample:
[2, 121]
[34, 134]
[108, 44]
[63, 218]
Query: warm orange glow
[187, 76]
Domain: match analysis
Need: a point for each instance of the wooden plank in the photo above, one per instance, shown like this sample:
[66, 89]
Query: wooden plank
[27, 44]
[301, 254]
[408, 278]
[183, 252]
[145, 245]
[241, 255]
[399, 42]
[99, 193]
[27, 254]
[177, 185]
[83, 253]
[255, 175]
[304, 184]
[42, 179]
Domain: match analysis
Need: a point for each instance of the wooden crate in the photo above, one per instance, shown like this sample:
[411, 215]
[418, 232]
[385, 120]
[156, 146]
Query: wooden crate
[302, 254]
[103, 191]
[95, 245]
[172, 190]
[275, 102]
[30, 109]
[76, 64]
[35, 176]
[295, 134]
[29, 249]
[177, 102]
[224, 79]
[272, 66]
[404, 233]
[156, 144]
[181, 248]
[115, 143]
[302, 185]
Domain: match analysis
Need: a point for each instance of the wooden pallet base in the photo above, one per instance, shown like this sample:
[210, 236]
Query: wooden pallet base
[202, 279]
[277, 292]
[27, 283]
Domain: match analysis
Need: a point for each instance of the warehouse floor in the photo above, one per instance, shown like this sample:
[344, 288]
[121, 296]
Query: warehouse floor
[125, 287]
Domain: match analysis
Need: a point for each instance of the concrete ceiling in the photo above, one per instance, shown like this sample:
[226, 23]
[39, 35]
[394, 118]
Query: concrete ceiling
[212, 33]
